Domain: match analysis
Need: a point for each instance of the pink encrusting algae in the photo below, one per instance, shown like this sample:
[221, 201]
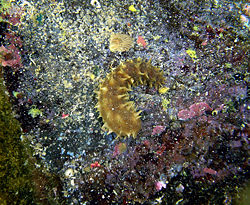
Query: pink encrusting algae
[194, 110]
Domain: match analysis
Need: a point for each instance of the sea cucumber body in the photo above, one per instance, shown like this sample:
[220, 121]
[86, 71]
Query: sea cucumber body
[118, 113]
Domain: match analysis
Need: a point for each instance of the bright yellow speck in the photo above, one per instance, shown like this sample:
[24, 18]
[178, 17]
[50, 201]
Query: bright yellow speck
[196, 28]
[191, 53]
[92, 76]
[215, 112]
[165, 103]
[156, 37]
[132, 8]
[228, 65]
[67, 84]
[163, 90]
[37, 70]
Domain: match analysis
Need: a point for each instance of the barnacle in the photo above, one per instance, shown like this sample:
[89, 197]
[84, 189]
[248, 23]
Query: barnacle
[118, 113]
[120, 42]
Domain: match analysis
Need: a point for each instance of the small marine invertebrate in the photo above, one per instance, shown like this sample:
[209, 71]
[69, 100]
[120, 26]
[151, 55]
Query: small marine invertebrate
[141, 41]
[119, 114]
[120, 42]
[95, 164]
[132, 8]
[159, 185]
[34, 112]
[191, 53]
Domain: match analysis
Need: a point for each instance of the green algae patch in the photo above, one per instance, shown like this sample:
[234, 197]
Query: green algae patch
[34, 112]
[15, 185]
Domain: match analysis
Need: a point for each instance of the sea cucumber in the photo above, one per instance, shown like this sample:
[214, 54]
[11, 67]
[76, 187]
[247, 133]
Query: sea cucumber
[118, 113]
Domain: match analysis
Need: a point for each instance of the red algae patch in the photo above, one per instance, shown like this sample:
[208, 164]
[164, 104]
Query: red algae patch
[118, 113]
[194, 110]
